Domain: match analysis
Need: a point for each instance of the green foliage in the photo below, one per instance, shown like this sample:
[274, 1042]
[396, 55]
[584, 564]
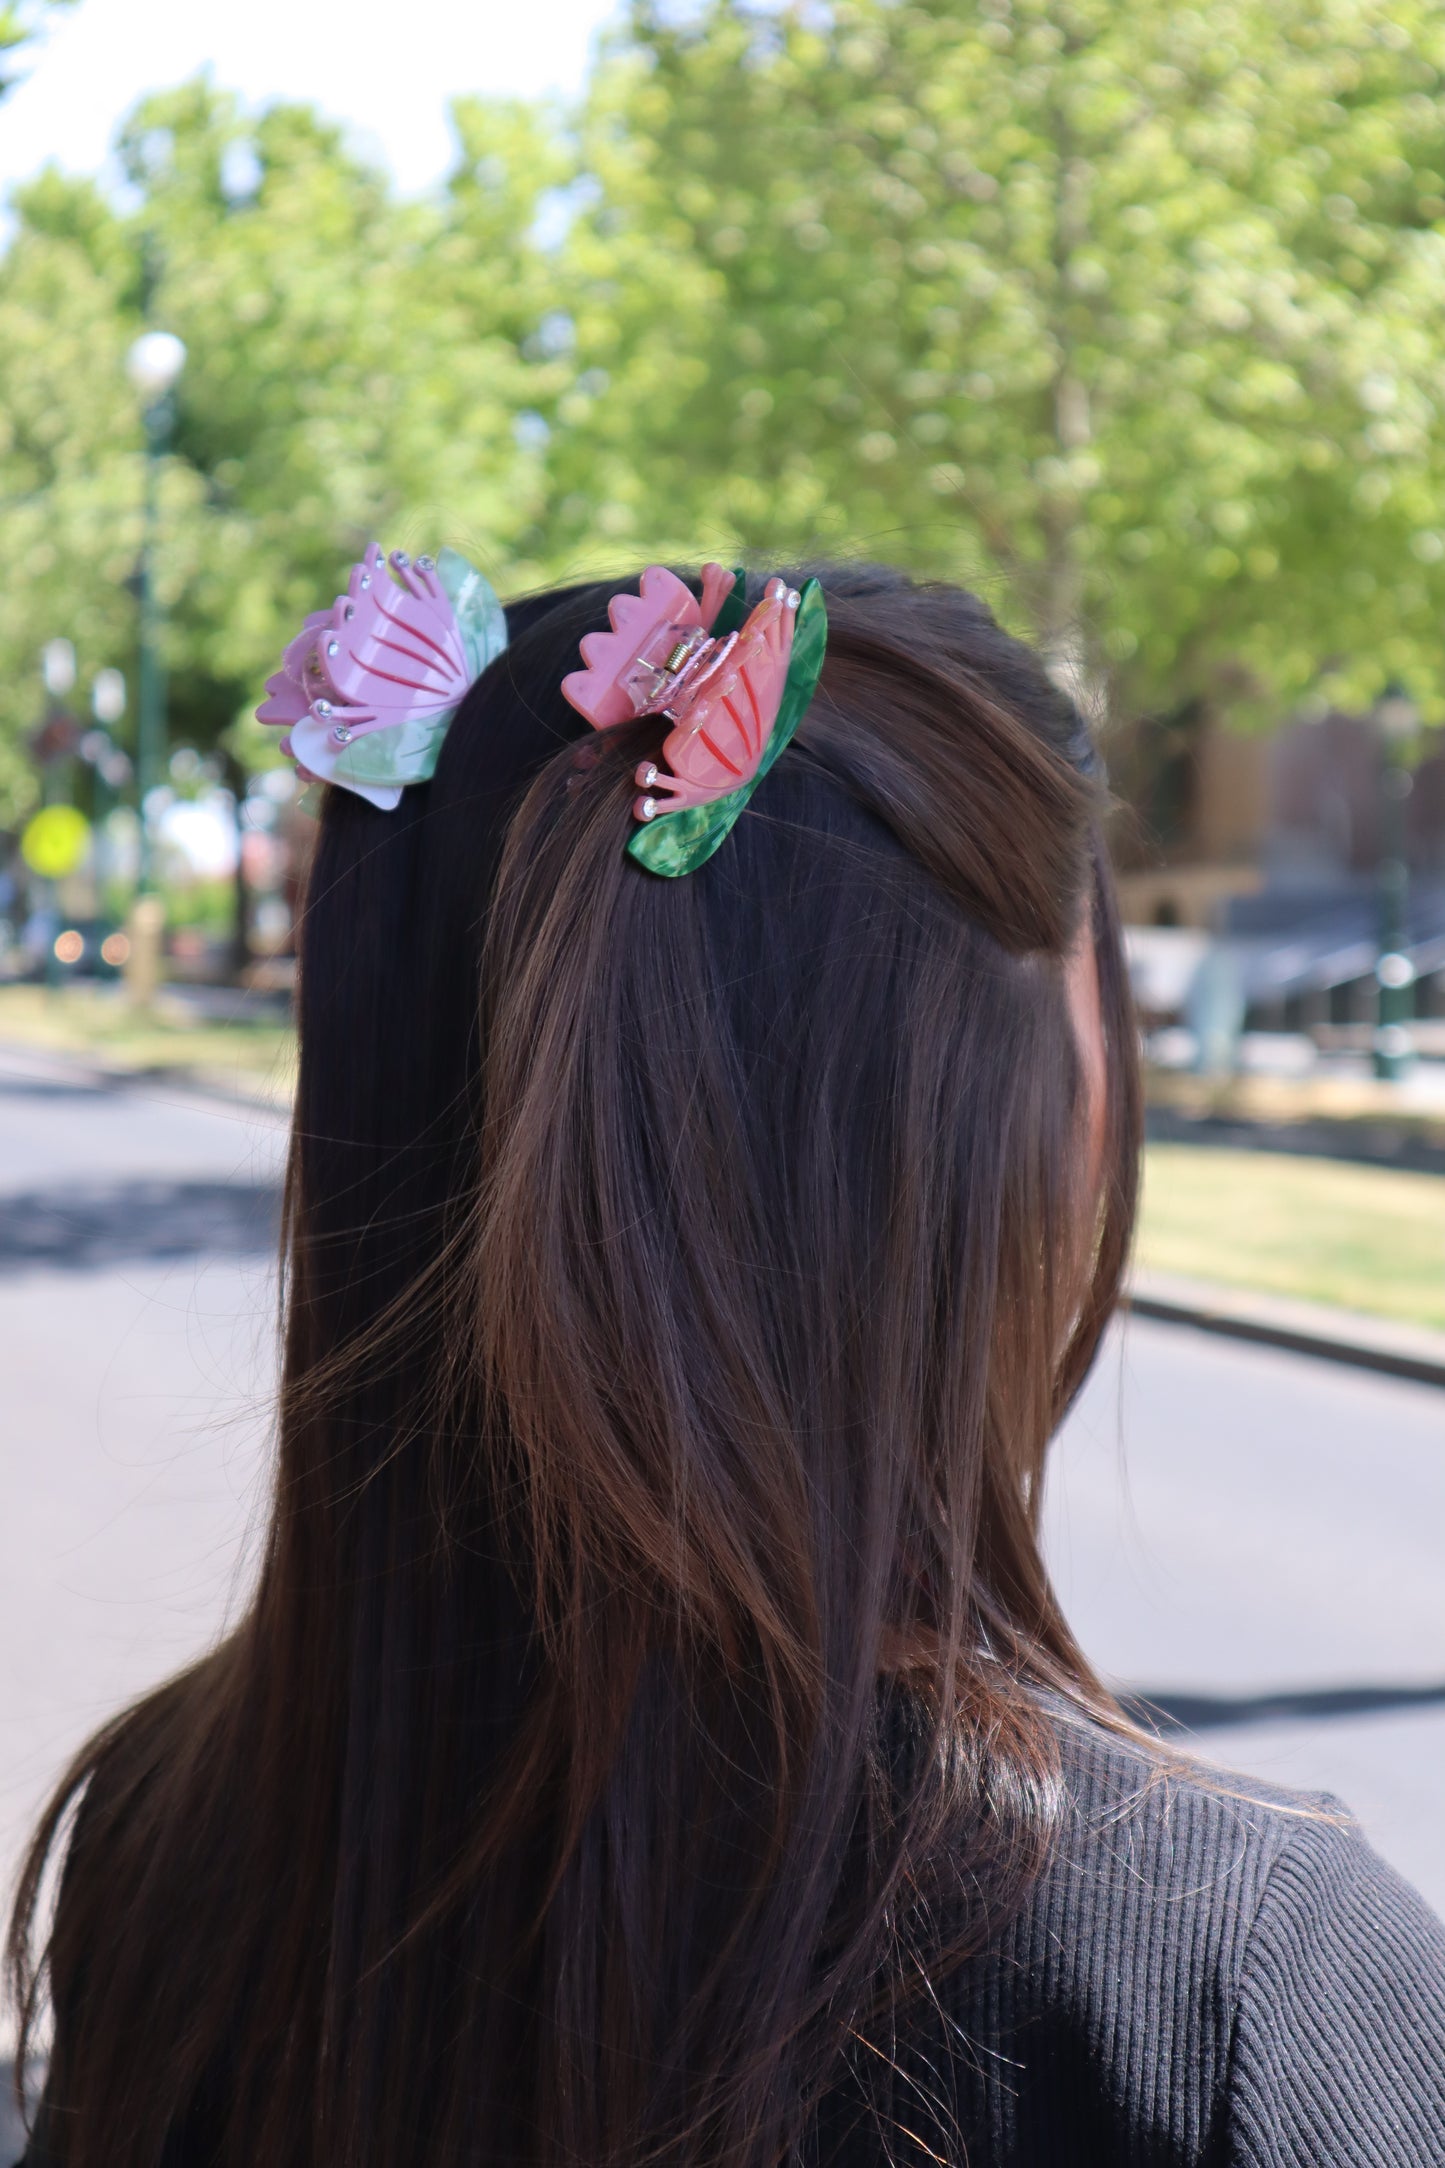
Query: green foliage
[354, 367]
[1133, 315]
[1133, 312]
[69, 453]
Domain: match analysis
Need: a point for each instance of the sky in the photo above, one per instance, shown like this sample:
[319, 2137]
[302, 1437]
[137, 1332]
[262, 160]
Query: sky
[386, 67]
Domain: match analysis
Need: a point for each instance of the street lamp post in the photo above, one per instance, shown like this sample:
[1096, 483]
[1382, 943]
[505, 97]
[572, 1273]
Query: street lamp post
[110, 766]
[153, 364]
[57, 670]
[1397, 719]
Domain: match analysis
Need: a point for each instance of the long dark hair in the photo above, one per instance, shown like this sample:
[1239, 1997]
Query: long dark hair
[652, 1677]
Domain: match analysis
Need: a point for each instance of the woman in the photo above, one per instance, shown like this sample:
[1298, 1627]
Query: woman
[654, 1738]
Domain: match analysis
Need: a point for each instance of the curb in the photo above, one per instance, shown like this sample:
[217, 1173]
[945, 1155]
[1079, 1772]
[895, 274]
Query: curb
[43, 1065]
[1301, 1328]
[1417, 1147]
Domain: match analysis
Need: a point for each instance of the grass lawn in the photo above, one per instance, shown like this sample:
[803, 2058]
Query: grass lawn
[94, 1021]
[1362, 1238]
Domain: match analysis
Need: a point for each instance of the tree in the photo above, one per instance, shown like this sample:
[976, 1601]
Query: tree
[1135, 317]
[1133, 313]
[69, 454]
[355, 366]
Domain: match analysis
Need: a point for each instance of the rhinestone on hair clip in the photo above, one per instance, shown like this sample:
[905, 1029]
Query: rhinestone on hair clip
[733, 687]
[367, 689]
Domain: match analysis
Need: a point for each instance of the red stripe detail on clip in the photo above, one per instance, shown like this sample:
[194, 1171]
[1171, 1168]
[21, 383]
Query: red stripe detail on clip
[423, 662]
[742, 729]
[413, 631]
[719, 755]
[757, 711]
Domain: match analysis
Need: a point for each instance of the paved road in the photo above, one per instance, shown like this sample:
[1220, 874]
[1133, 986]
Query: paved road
[1250, 1538]
[137, 1293]
[1256, 1541]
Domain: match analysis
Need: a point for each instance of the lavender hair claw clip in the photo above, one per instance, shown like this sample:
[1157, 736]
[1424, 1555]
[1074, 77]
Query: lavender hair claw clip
[367, 689]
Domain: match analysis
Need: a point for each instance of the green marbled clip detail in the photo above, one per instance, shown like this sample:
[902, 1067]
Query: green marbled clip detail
[676, 843]
[734, 612]
[481, 620]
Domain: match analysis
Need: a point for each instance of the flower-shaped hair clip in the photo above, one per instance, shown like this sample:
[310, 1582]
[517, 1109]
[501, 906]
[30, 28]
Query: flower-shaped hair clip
[367, 688]
[734, 689]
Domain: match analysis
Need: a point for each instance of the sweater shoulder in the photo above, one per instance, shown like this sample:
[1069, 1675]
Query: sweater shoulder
[1338, 2054]
[1101, 2021]
[1161, 1857]
[1174, 1827]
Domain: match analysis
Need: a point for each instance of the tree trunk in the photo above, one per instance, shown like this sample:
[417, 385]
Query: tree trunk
[241, 903]
[1062, 600]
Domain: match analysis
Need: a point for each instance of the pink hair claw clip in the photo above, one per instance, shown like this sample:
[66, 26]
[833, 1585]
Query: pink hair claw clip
[734, 700]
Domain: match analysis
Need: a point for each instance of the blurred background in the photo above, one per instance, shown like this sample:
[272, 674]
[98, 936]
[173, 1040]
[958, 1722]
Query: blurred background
[1131, 316]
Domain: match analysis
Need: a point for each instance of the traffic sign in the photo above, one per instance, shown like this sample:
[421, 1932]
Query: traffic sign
[54, 841]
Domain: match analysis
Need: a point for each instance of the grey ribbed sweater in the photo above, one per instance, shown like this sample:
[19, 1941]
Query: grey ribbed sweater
[1210, 1974]
[1199, 1978]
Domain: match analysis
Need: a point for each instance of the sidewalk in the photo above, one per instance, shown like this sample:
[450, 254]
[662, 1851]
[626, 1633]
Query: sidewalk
[12, 2130]
[233, 1045]
[1306, 1328]
[1342, 1116]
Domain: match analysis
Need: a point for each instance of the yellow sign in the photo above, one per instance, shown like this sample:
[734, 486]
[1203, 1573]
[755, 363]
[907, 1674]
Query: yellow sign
[55, 841]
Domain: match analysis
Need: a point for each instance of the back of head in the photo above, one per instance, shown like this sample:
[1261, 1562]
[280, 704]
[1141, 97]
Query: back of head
[685, 1279]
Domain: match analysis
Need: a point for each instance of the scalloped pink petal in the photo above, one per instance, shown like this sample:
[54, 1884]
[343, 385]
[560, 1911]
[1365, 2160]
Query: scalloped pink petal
[285, 701]
[717, 584]
[596, 691]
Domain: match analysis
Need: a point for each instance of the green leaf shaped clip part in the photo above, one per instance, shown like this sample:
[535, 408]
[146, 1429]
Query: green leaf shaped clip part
[678, 843]
[734, 612]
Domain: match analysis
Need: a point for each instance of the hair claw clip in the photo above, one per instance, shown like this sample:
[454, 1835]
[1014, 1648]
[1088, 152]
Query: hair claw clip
[734, 701]
[367, 689]
[653, 634]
